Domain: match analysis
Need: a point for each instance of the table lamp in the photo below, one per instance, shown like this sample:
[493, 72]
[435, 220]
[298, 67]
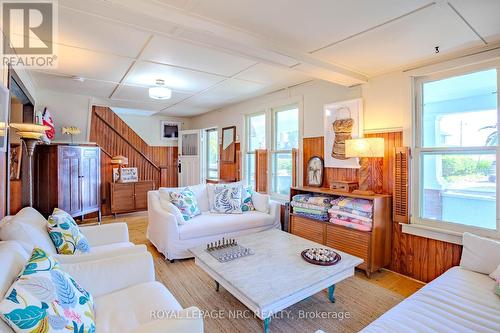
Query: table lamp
[371, 152]
[119, 160]
[30, 134]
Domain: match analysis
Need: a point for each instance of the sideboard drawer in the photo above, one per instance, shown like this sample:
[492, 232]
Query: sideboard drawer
[351, 241]
[307, 228]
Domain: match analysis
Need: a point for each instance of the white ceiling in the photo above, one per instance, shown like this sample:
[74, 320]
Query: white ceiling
[214, 53]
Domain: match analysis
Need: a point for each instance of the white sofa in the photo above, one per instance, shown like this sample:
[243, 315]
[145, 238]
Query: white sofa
[29, 228]
[173, 237]
[125, 299]
[460, 300]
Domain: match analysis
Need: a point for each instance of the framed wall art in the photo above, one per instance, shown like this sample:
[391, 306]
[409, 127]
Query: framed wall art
[315, 167]
[342, 121]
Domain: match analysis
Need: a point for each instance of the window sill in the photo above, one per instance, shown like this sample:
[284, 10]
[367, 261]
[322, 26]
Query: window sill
[432, 233]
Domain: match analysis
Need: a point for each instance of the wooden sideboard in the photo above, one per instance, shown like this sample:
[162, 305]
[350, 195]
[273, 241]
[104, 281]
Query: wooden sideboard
[130, 197]
[374, 246]
[67, 177]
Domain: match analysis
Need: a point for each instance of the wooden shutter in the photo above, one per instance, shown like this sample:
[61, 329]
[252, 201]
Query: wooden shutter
[401, 196]
[261, 170]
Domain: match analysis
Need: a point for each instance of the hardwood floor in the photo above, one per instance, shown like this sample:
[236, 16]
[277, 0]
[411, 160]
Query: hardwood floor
[359, 300]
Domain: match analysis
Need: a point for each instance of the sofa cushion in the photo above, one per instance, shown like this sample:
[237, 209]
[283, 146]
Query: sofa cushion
[201, 194]
[458, 301]
[261, 202]
[186, 202]
[46, 299]
[208, 224]
[246, 201]
[65, 234]
[127, 309]
[480, 254]
[227, 200]
[27, 226]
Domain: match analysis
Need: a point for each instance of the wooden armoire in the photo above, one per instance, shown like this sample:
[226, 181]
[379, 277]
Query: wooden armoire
[67, 177]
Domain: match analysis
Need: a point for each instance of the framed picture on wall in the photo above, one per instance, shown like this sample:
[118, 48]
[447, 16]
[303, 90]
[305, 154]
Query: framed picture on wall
[170, 130]
[342, 121]
[129, 175]
[16, 156]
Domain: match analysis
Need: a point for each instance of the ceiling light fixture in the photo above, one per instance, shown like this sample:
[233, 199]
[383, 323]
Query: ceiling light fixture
[160, 91]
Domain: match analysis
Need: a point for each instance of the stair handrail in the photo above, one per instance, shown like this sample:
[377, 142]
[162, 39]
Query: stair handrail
[124, 139]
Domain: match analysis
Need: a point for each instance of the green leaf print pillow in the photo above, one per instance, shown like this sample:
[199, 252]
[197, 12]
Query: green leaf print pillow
[186, 202]
[65, 234]
[46, 299]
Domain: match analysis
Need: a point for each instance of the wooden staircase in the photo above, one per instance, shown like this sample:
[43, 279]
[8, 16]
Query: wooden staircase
[115, 137]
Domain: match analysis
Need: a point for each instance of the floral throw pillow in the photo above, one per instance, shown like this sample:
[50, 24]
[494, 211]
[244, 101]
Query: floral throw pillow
[227, 200]
[65, 234]
[186, 202]
[246, 201]
[45, 299]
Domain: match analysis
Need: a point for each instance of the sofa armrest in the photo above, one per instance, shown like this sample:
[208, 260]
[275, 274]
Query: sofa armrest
[161, 223]
[109, 275]
[189, 320]
[106, 234]
[74, 259]
[275, 210]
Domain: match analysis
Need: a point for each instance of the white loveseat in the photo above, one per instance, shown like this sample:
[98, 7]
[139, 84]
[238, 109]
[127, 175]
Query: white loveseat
[460, 300]
[127, 299]
[29, 228]
[173, 237]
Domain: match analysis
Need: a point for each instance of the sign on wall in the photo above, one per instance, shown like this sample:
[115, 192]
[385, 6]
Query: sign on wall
[129, 175]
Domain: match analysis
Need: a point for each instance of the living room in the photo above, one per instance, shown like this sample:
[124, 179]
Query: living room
[249, 166]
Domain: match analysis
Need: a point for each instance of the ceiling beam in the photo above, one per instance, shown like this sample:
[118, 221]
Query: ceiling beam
[200, 30]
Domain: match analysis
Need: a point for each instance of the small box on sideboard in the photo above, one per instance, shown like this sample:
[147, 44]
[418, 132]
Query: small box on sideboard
[374, 246]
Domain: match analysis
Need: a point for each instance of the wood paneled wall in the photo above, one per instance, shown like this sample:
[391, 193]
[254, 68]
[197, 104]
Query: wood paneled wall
[230, 172]
[417, 257]
[115, 137]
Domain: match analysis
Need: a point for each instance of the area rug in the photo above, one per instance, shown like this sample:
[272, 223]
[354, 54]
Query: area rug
[358, 303]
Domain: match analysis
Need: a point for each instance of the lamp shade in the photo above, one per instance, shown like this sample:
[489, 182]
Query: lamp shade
[366, 147]
[119, 160]
[29, 127]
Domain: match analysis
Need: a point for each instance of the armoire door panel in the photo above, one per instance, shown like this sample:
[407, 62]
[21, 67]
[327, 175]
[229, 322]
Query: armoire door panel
[69, 180]
[90, 179]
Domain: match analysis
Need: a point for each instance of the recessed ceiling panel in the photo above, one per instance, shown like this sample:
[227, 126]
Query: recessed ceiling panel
[133, 112]
[185, 110]
[272, 75]
[146, 74]
[405, 41]
[483, 15]
[69, 86]
[135, 93]
[88, 64]
[88, 31]
[303, 24]
[184, 54]
[229, 91]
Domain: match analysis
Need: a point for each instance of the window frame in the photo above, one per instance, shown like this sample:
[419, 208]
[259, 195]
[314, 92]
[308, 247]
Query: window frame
[249, 152]
[207, 152]
[274, 151]
[419, 151]
[267, 110]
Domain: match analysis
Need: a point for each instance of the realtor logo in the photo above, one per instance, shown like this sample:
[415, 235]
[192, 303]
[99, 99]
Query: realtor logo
[29, 31]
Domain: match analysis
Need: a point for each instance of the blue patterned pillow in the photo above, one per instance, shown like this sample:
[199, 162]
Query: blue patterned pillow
[227, 200]
[246, 201]
[46, 299]
[186, 202]
[65, 234]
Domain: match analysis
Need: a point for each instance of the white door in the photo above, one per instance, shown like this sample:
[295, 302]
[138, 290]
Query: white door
[190, 157]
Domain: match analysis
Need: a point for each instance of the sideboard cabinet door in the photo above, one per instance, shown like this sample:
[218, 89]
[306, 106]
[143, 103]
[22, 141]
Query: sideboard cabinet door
[90, 178]
[69, 189]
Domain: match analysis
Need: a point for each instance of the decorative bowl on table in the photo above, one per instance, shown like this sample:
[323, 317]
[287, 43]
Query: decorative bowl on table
[319, 256]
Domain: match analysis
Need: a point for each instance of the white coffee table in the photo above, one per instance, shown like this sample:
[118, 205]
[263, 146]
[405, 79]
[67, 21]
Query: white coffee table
[276, 276]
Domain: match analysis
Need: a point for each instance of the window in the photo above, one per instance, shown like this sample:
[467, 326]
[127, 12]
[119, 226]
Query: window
[456, 151]
[256, 139]
[212, 149]
[285, 138]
